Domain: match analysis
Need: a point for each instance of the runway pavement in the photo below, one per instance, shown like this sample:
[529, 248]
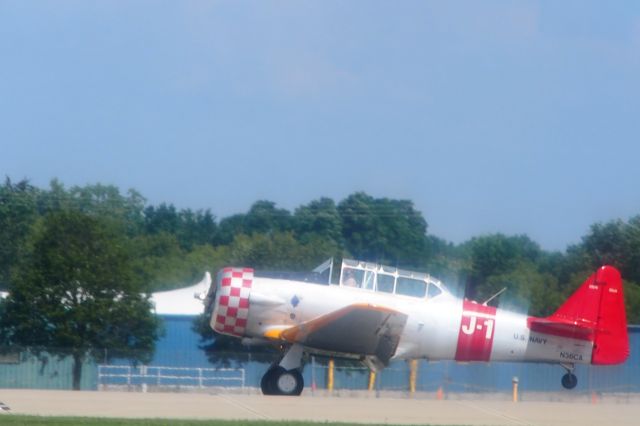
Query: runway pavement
[317, 408]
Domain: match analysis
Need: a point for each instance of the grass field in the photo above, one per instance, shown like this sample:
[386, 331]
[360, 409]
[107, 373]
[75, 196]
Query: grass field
[12, 419]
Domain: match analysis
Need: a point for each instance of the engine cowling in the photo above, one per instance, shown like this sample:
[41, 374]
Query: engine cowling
[231, 309]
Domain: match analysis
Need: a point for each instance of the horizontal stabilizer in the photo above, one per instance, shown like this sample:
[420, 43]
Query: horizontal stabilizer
[562, 329]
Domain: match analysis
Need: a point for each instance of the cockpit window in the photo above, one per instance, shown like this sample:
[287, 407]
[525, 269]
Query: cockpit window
[433, 290]
[369, 277]
[352, 277]
[390, 280]
[411, 287]
[385, 283]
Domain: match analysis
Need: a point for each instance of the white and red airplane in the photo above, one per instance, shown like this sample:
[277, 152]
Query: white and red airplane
[377, 314]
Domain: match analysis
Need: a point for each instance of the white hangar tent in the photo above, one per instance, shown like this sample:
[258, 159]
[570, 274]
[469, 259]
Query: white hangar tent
[186, 301]
[182, 301]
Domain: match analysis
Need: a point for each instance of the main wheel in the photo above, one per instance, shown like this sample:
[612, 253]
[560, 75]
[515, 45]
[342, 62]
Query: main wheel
[268, 380]
[569, 381]
[288, 382]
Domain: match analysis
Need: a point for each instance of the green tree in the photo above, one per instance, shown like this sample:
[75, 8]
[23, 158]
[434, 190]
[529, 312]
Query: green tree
[157, 261]
[190, 228]
[632, 301]
[76, 294]
[107, 201]
[278, 251]
[18, 212]
[196, 228]
[228, 228]
[264, 217]
[318, 219]
[55, 198]
[445, 261]
[528, 289]
[383, 230]
[614, 243]
[495, 254]
[161, 219]
[164, 265]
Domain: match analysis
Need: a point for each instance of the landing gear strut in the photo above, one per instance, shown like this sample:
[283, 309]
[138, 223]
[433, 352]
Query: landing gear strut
[284, 377]
[569, 380]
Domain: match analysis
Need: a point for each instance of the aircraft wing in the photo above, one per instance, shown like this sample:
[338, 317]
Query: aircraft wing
[360, 329]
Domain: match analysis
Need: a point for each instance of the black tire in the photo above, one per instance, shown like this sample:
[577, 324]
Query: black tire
[287, 382]
[267, 381]
[569, 381]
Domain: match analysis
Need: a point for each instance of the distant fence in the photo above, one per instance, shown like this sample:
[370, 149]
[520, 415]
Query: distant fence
[164, 376]
[242, 372]
[180, 363]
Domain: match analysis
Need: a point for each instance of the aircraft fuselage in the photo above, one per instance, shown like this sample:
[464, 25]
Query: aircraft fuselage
[388, 314]
[440, 328]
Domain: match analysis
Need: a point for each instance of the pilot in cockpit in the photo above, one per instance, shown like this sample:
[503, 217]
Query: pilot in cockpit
[349, 278]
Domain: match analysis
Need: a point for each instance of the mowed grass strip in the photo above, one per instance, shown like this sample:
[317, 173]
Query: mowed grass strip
[13, 419]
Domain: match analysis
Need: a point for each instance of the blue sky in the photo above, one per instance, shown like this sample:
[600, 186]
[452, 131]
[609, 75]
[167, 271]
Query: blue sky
[492, 116]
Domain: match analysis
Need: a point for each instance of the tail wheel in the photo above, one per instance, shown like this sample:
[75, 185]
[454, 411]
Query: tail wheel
[569, 381]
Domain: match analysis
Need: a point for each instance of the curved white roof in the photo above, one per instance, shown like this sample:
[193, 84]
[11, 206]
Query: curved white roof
[182, 301]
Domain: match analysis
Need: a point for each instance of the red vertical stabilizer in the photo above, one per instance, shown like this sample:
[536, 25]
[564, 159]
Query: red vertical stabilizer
[595, 312]
[611, 344]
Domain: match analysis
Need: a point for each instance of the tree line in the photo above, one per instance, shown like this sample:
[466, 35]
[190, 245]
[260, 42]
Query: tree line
[171, 247]
[70, 252]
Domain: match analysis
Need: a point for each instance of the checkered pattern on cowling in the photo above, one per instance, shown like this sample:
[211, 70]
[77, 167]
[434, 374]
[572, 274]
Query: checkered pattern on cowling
[233, 303]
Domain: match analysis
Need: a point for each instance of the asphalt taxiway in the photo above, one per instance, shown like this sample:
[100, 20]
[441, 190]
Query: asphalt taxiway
[384, 410]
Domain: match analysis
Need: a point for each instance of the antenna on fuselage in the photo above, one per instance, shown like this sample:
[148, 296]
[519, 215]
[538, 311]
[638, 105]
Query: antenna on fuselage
[327, 264]
[494, 296]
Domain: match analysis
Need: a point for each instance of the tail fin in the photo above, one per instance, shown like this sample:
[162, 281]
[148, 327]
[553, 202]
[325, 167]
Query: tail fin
[598, 306]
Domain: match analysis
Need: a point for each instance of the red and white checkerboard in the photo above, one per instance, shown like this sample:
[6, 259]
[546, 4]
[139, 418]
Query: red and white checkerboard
[233, 303]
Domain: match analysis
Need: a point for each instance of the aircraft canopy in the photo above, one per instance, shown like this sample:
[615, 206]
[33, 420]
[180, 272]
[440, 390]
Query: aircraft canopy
[387, 279]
